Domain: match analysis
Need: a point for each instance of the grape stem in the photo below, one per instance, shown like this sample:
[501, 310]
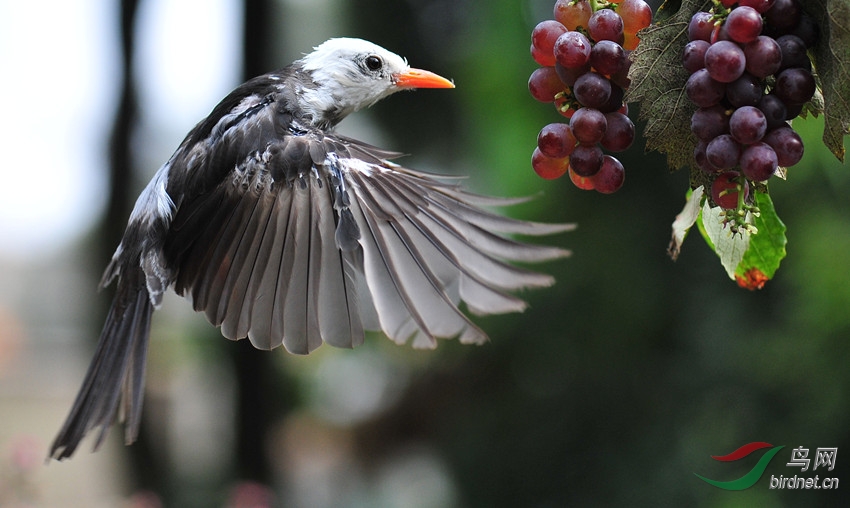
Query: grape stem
[742, 184]
[595, 5]
[719, 10]
[741, 217]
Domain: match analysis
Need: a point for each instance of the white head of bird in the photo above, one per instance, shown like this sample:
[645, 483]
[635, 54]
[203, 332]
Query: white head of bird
[352, 74]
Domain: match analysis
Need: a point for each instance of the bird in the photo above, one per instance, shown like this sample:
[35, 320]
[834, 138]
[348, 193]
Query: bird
[282, 231]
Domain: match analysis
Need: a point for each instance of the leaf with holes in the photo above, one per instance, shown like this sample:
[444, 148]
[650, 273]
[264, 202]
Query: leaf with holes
[658, 84]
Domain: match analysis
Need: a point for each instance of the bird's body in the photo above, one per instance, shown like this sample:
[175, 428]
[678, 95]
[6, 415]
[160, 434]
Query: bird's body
[286, 233]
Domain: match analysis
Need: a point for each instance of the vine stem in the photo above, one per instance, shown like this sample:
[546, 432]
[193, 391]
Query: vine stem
[742, 185]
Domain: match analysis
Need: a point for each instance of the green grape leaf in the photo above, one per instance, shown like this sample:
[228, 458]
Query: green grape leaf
[749, 259]
[767, 248]
[730, 247]
[832, 62]
[658, 84]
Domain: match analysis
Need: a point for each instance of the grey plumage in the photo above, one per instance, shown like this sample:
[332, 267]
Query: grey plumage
[281, 231]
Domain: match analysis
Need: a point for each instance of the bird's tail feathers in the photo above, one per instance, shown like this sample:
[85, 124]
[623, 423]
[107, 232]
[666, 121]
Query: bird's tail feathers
[114, 384]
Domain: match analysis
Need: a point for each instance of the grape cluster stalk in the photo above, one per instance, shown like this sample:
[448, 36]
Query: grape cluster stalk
[584, 57]
[750, 75]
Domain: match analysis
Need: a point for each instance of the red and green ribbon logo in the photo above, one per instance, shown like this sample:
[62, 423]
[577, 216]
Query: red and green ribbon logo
[749, 479]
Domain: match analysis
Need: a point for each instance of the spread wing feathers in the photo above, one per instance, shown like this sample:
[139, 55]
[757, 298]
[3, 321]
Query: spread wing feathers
[426, 247]
[263, 263]
[340, 241]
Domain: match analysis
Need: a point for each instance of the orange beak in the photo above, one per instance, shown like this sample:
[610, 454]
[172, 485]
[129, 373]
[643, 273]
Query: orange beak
[417, 78]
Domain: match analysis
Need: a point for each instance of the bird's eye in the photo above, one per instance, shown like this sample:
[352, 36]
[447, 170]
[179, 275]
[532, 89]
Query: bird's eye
[374, 63]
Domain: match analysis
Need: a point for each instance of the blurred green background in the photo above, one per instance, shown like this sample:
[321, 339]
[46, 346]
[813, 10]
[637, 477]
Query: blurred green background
[612, 389]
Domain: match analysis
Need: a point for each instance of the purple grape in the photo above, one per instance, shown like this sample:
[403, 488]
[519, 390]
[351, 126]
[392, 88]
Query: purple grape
[586, 160]
[793, 51]
[758, 162]
[572, 49]
[774, 110]
[743, 24]
[610, 176]
[556, 140]
[619, 134]
[764, 56]
[725, 61]
[588, 125]
[693, 56]
[607, 57]
[543, 39]
[787, 144]
[795, 85]
[544, 84]
[747, 125]
[708, 123]
[592, 90]
[723, 152]
[744, 91]
[605, 25]
[784, 15]
[548, 167]
[704, 91]
[700, 27]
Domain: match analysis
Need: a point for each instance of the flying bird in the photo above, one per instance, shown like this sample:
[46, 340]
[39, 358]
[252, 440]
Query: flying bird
[287, 233]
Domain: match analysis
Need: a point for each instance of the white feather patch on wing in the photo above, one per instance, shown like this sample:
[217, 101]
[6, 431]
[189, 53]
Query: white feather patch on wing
[154, 202]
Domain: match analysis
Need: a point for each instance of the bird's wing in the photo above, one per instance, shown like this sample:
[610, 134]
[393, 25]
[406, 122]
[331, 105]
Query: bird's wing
[258, 254]
[313, 238]
[428, 245]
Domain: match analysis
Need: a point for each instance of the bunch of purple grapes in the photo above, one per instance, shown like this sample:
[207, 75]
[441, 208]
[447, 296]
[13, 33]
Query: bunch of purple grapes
[584, 54]
[750, 74]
